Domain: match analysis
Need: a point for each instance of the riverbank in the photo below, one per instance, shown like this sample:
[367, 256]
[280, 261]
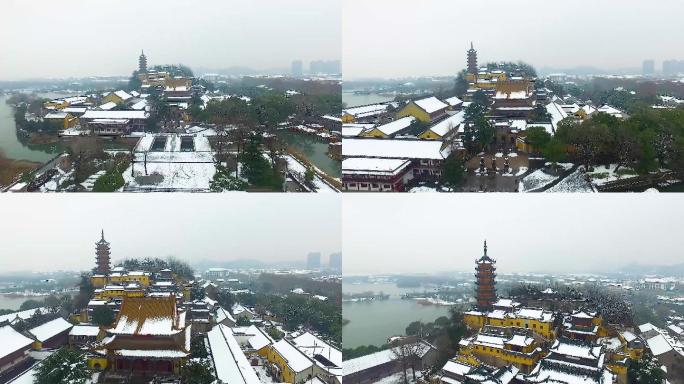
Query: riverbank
[10, 169]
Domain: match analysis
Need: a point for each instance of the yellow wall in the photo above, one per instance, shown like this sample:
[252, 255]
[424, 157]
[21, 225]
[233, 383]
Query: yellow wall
[98, 281]
[347, 118]
[144, 280]
[536, 326]
[429, 135]
[112, 97]
[411, 109]
[287, 374]
[375, 133]
[92, 360]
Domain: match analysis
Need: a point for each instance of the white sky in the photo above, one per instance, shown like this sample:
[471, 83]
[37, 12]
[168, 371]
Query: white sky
[44, 232]
[42, 38]
[429, 233]
[399, 38]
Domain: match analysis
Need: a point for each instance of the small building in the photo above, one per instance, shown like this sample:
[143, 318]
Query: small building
[376, 366]
[425, 110]
[118, 97]
[365, 174]
[289, 363]
[396, 127]
[84, 334]
[51, 335]
[230, 363]
[328, 359]
[136, 119]
[14, 348]
[363, 113]
[61, 119]
[445, 128]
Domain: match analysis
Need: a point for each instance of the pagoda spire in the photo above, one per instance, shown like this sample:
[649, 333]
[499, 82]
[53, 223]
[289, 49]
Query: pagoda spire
[485, 247]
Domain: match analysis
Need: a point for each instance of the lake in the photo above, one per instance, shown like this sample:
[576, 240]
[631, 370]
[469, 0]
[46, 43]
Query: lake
[14, 302]
[350, 99]
[373, 322]
[315, 150]
[10, 145]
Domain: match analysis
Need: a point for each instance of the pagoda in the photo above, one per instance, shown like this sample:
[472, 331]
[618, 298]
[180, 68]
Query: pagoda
[485, 290]
[102, 256]
[472, 60]
[142, 62]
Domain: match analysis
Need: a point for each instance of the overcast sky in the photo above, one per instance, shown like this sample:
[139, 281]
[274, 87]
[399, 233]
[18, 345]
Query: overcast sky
[542, 233]
[44, 39]
[398, 38]
[51, 232]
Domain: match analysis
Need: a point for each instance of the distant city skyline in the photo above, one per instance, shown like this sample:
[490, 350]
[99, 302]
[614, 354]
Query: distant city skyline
[60, 232]
[407, 39]
[216, 34]
[565, 233]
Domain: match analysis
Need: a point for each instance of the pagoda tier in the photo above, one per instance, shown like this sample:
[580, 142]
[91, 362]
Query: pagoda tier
[102, 253]
[485, 281]
[472, 60]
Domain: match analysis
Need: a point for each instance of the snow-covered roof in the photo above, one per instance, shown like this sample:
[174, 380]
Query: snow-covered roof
[365, 110]
[222, 314]
[123, 95]
[557, 113]
[23, 315]
[230, 362]
[446, 125]
[139, 105]
[115, 115]
[375, 166]
[50, 329]
[312, 346]
[374, 359]
[453, 101]
[85, 330]
[659, 345]
[647, 327]
[354, 131]
[295, 359]
[396, 125]
[12, 341]
[393, 148]
[149, 316]
[74, 109]
[577, 349]
[515, 95]
[56, 115]
[430, 104]
[457, 368]
[255, 337]
[107, 106]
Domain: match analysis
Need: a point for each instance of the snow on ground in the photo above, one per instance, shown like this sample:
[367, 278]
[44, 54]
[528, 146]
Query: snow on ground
[575, 182]
[521, 171]
[170, 175]
[565, 166]
[422, 189]
[398, 377]
[89, 183]
[602, 174]
[535, 180]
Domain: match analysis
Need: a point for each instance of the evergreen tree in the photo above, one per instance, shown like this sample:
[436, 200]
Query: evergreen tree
[197, 371]
[64, 366]
[103, 315]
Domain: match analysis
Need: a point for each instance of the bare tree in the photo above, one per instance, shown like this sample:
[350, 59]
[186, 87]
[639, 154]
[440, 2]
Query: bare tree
[407, 355]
